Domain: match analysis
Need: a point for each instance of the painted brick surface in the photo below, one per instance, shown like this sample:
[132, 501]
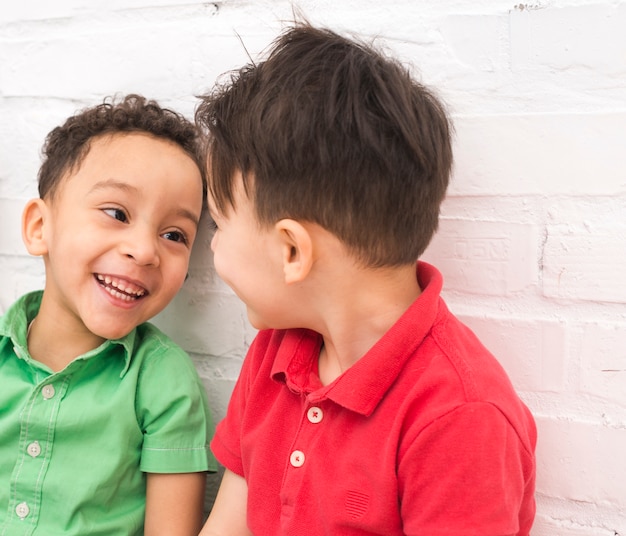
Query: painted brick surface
[593, 482]
[485, 257]
[532, 241]
[11, 237]
[532, 351]
[603, 361]
[586, 36]
[585, 251]
[540, 154]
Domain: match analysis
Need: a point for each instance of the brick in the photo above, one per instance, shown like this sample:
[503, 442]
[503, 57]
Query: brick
[531, 351]
[478, 41]
[587, 37]
[585, 260]
[580, 460]
[545, 154]
[548, 526]
[128, 55]
[603, 361]
[218, 376]
[25, 124]
[206, 322]
[34, 9]
[87, 55]
[485, 257]
[19, 275]
[10, 220]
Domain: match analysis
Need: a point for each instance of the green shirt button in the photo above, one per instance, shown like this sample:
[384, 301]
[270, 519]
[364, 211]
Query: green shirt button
[47, 391]
[22, 510]
[34, 449]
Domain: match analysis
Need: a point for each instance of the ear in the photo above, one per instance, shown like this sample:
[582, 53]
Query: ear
[33, 220]
[297, 250]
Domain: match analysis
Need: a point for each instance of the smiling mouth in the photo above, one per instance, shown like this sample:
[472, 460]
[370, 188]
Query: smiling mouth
[120, 288]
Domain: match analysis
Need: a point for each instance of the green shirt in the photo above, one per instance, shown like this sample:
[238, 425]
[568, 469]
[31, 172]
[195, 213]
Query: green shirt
[75, 445]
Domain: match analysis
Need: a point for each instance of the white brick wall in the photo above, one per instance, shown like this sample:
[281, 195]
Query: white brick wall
[532, 241]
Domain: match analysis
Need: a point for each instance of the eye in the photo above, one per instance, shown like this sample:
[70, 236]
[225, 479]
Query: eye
[116, 213]
[175, 236]
[212, 225]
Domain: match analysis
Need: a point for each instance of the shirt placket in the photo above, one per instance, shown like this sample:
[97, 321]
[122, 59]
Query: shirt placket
[312, 419]
[37, 430]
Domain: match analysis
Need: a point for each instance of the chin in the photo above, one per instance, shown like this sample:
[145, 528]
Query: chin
[256, 322]
[109, 333]
[258, 325]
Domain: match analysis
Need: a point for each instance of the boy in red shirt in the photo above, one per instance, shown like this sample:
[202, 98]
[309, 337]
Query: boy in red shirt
[364, 406]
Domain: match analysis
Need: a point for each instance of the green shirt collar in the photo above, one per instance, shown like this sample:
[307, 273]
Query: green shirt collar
[14, 326]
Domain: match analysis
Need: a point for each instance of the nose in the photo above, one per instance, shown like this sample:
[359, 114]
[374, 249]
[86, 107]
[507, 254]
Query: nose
[141, 245]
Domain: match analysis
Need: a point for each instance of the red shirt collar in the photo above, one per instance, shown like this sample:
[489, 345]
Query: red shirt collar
[363, 385]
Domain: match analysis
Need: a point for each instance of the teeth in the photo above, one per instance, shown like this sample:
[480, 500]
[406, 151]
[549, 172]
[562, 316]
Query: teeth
[119, 295]
[120, 289]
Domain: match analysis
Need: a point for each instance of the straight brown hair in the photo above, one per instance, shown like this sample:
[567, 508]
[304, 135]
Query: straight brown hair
[329, 130]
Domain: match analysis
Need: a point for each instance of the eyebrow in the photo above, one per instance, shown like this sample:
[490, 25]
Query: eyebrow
[183, 212]
[119, 185]
[112, 183]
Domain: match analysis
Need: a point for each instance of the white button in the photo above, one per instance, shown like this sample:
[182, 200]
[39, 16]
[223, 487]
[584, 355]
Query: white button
[297, 458]
[34, 449]
[48, 391]
[22, 510]
[315, 415]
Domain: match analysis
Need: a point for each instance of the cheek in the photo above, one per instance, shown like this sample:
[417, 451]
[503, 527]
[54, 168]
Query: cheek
[176, 274]
[223, 248]
[219, 264]
[175, 282]
[226, 267]
[220, 254]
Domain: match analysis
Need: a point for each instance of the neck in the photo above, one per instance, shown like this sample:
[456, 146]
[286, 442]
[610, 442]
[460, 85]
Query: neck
[55, 341]
[361, 309]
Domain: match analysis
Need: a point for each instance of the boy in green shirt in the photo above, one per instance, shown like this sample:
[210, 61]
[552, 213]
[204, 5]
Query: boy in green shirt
[104, 423]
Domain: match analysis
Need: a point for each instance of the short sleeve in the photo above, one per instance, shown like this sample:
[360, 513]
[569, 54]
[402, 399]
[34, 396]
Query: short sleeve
[467, 473]
[173, 414]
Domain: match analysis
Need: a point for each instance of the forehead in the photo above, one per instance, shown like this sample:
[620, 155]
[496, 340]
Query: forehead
[131, 147]
[137, 168]
[133, 156]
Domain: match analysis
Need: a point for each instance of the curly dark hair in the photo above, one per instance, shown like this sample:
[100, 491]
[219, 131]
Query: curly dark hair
[329, 130]
[66, 146]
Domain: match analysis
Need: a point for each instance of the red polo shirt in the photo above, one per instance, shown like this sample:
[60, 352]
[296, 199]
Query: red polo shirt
[424, 435]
